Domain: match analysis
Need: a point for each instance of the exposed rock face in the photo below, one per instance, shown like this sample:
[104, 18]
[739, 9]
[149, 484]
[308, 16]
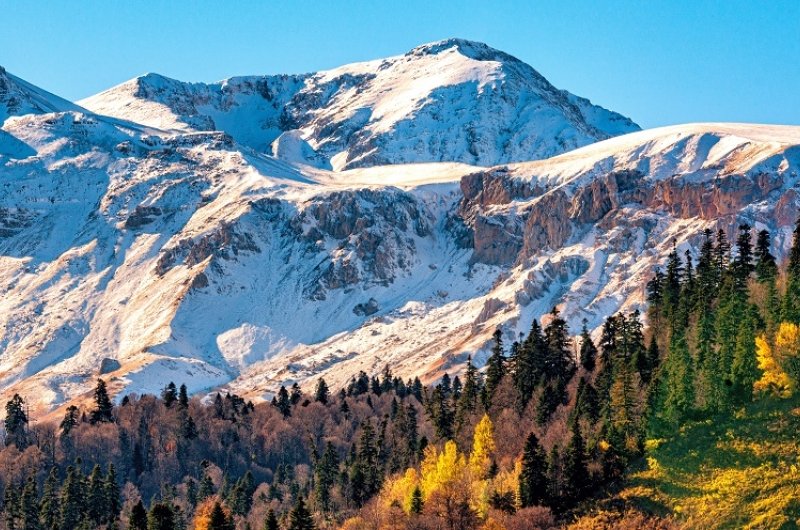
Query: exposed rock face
[108, 365]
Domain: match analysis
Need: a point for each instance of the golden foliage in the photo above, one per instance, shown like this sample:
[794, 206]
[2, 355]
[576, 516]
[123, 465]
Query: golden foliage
[202, 518]
[772, 359]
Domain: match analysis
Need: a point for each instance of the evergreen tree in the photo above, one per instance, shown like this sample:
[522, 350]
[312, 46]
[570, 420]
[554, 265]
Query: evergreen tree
[495, 365]
[282, 402]
[29, 506]
[325, 475]
[322, 393]
[470, 393]
[271, 522]
[219, 520]
[575, 472]
[49, 508]
[183, 397]
[417, 502]
[138, 517]
[588, 353]
[161, 517]
[104, 409]
[300, 517]
[169, 395]
[71, 500]
[112, 494]
[16, 422]
[766, 268]
[533, 477]
[743, 263]
[70, 420]
[678, 380]
[96, 497]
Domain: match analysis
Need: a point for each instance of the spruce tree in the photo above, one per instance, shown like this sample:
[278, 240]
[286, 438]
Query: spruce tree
[282, 402]
[16, 422]
[70, 420]
[533, 476]
[271, 522]
[138, 517]
[170, 394]
[29, 506]
[417, 502]
[96, 497]
[49, 508]
[766, 267]
[183, 397]
[325, 475]
[588, 352]
[575, 472]
[104, 409]
[161, 517]
[219, 520]
[495, 365]
[300, 517]
[72, 500]
[322, 393]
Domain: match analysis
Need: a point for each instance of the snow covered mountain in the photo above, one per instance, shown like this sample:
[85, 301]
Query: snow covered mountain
[153, 252]
[452, 100]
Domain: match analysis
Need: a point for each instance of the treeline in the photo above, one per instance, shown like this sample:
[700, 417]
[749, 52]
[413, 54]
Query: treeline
[529, 442]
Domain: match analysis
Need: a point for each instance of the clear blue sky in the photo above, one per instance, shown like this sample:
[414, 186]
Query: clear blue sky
[659, 62]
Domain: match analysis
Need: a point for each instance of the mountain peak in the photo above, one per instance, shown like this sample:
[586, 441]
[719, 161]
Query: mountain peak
[476, 50]
[18, 97]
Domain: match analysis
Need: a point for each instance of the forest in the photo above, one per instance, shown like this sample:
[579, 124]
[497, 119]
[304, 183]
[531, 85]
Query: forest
[544, 436]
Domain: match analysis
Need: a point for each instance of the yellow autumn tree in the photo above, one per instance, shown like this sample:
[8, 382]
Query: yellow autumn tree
[779, 361]
[398, 491]
[483, 447]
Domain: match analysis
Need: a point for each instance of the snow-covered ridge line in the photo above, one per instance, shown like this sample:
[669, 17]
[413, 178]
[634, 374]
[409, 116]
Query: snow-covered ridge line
[448, 101]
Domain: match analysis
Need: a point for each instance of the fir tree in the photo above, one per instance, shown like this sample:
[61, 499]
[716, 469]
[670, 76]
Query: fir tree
[183, 397]
[588, 352]
[766, 268]
[533, 476]
[161, 517]
[219, 520]
[325, 474]
[16, 422]
[575, 472]
[322, 393]
[417, 503]
[29, 506]
[50, 509]
[300, 517]
[138, 517]
[271, 522]
[70, 420]
[282, 402]
[71, 500]
[495, 364]
[169, 395]
[104, 409]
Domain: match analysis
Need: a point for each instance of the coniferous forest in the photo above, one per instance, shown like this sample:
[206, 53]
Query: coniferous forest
[549, 433]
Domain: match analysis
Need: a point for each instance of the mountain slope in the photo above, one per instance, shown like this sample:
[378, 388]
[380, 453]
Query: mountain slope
[452, 100]
[18, 97]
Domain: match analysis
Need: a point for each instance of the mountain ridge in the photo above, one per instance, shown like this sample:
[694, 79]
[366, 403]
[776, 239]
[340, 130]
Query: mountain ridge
[184, 255]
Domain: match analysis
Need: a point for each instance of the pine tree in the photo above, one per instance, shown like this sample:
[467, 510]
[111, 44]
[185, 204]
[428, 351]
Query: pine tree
[161, 517]
[50, 508]
[138, 517]
[112, 494]
[183, 397]
[322, 393]
[29, 506]
[219, 520]
[72, 500]
[282, 402]
[417, 502]
[678, 380]
[104, 409]
[744, 369]
[271, 522]
[169, 394]
[533, 477]
[495, 365]
[575, 472]
[325, 474]
[96, 496]
[70, 420]
[16, 422]
[766, 268]
[300, 517]
[588, 353]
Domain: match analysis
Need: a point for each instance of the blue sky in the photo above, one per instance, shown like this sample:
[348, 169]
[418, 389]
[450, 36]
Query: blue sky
[659, 62]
